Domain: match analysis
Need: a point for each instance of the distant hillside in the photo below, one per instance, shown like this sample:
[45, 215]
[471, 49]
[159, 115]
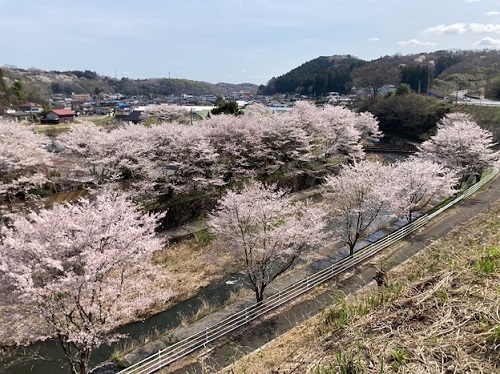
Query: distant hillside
[37, 85]
[439, 72]
[319, 76]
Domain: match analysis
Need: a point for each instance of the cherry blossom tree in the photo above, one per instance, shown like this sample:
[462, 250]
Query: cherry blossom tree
[419, 181]
[238, 141]
[25, 161]
[258, 110]
[256, 146]
[337, 132]
[266, 231]
[166, 113]
[80, 271]
[358, 196]
[181, 158]
[461, 145]
[335, 129]
[288, 146]
[102, 156]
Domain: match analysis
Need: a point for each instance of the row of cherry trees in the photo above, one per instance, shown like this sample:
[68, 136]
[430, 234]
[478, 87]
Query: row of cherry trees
[219, 151]
[82, 269]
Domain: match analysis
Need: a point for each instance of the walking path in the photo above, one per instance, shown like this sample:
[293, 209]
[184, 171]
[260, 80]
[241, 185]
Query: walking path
[246, 341]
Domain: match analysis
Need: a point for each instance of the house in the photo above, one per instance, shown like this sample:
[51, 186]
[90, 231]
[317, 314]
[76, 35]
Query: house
[18, 116]
[59, 116]
[81, 98]
[134, 116]
[30, 108]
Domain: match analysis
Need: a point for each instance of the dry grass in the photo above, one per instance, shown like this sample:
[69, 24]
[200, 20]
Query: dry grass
[192, 266]
[440, 313]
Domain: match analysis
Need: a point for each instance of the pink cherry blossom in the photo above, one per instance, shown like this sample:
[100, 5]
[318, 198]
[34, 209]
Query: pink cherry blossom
[266, 231]
[80, 271]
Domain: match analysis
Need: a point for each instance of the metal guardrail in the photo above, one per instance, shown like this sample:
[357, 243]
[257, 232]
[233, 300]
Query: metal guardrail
[199, 340]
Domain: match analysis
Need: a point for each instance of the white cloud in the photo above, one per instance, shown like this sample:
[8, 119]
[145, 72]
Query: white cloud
[477, 28]
[472, 1]
[373, 39]
[488, 43]
[456, 28]
[415, 43]
[493, 13]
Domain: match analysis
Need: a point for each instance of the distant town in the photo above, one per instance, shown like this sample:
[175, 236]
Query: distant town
[64, 109]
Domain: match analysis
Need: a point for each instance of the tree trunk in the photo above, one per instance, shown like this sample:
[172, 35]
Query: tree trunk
[351, 248]
[259, 294]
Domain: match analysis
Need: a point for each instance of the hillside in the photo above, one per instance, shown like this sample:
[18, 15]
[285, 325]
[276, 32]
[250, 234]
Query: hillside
[319, 76]
[38, 85]
[443, 71]
[437, 313]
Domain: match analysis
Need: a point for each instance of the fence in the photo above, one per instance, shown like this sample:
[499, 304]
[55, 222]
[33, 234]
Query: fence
[199, 340]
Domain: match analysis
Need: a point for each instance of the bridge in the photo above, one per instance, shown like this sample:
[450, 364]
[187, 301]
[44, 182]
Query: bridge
[390, 148]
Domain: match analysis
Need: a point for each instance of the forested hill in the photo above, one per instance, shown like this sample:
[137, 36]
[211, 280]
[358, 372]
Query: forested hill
[37, 85]
[439, 72]
[321, 75]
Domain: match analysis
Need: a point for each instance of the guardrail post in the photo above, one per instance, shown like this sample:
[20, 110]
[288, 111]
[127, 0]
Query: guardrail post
[246, 314]
[307, 281]
[206, 336]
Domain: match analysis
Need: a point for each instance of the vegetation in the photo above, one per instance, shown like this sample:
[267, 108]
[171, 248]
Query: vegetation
[319, 76]
[411, 116]
[266, 231]
[226, 107]
[487, 117]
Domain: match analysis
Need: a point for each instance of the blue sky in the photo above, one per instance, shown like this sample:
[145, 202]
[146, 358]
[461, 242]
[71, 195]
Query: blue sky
[231, 40]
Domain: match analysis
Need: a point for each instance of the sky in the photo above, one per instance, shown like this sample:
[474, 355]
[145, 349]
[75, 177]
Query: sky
[232, 41]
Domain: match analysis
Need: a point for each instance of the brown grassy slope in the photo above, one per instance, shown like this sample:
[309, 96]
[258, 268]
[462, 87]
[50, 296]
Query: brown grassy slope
[439, 313]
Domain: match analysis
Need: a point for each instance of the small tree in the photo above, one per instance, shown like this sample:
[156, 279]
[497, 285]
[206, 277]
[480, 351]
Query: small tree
[266, 231]
[358, 196]
[375, 75]
[80, 271]
[226, 107]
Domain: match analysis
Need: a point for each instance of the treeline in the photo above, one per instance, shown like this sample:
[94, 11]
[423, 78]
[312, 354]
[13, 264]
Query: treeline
[37, 85]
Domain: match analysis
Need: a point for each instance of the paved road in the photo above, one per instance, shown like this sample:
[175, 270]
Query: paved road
[243, 342]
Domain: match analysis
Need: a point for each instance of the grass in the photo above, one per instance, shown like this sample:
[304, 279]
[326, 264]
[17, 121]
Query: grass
[182, 260]
[53, 129]
[124, 347]
[439, 313]
[65, 127]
